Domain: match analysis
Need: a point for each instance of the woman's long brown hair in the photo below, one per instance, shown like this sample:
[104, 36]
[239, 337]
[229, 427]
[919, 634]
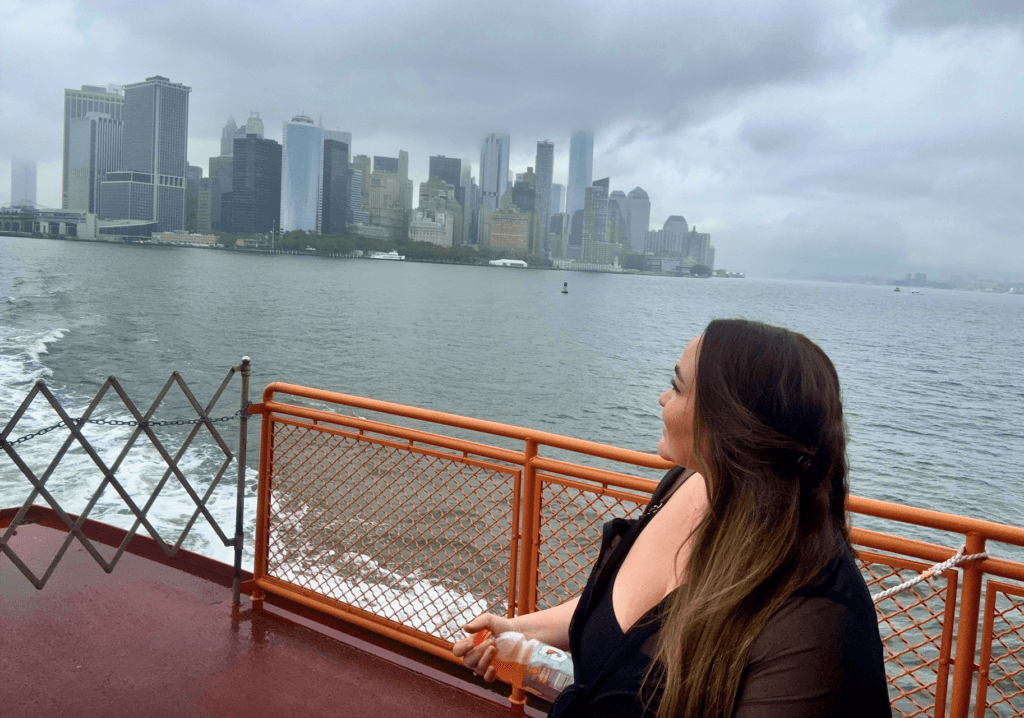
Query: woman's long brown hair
[771, 440]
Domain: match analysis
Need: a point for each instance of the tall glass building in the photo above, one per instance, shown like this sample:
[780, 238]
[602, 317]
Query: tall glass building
[94, 148]
[557, 198]
[153, 156]
[302, 166]
[78, 103]
[639, 218]
[545, 168]
[581, 173]
[494, 169]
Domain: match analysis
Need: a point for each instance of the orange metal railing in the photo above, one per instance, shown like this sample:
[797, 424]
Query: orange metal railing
[410, 532]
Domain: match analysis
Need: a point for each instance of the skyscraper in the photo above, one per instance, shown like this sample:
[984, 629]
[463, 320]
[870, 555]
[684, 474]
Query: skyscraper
[448, 169]
[254, 125]
[675, 235]
[94, 148]
[557, 199]
[581, 172]
[356, 214]
[151, 182]
[361, 164]
[545, 167]
[494, 169]
[639, 218]
[302, 164]
[595, 222]
[77, 103]
[255, 185]
[385, 164]
[23, 182]
[221, 183]
[334, 211]
[618, 219]
[193, 182]
[227, 137]
[405, 186]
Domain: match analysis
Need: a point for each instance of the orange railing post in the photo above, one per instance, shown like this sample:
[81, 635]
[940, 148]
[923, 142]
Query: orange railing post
[964, 666]
[259, 569]
[528, 556]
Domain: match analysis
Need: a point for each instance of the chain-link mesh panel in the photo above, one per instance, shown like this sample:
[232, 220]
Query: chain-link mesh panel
[911, 626]
[571, 517]
[407, 534]
[1005, 667]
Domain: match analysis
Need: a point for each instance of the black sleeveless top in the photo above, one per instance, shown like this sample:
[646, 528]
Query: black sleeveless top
[819, 656]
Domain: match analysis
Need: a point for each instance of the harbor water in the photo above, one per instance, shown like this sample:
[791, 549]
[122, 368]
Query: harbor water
[932, 382]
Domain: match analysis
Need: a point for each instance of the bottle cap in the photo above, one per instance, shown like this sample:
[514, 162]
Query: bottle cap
[481, 636]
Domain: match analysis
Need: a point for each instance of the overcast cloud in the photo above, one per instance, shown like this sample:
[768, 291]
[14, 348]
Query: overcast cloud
[808, 136]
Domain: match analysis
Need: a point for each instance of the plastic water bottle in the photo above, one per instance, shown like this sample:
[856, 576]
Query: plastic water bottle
[529, 664]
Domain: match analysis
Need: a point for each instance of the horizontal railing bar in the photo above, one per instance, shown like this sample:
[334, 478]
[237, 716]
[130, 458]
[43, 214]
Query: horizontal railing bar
[900, 545]
[423, 437]
[557, 441]
[383, 626]
[932, 552]
[413, 448]
[936, 520]
[600, 476]
[603, 491]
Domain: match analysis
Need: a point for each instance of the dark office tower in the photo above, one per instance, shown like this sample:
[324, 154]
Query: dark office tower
[575, 234]
[151, 183]
[221, 184]
[581, 174]
[193, 180]
[255, 202]
[545, 167]
[78, 103]
[447, 168]
[524, 195]
[334, 206]
[385, 164]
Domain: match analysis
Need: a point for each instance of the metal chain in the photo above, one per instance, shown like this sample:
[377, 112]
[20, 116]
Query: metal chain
[117, 422]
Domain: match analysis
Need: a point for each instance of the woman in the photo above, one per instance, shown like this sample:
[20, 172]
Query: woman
[736, 593]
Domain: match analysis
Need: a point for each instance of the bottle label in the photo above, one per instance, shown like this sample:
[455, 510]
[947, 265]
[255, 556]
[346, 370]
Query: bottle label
[549, 672]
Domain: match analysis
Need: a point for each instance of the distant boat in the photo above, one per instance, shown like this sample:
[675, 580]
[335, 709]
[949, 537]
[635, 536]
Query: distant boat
[508, 263]
[896, 289]
[914, 291]
[386, 255]
[565, 287]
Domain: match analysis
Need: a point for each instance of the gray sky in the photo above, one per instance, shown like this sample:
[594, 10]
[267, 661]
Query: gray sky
[843, 137]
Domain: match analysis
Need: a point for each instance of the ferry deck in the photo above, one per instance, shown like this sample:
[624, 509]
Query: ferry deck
[380, 529]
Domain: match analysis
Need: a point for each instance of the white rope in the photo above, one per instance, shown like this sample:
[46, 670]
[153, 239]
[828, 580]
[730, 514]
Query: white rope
[955, 560]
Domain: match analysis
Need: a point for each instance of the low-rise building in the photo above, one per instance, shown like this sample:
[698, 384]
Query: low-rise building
[430, 226]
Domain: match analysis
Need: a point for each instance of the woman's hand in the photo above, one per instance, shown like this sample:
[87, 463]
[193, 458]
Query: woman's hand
[478, 658]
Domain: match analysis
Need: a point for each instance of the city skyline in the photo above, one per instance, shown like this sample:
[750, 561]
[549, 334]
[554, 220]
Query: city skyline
[859, 138]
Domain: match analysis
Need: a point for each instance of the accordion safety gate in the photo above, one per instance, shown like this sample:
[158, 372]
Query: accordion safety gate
[410, 531]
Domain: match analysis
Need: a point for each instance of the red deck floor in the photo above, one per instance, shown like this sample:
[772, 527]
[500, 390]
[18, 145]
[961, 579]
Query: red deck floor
[152, 640]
